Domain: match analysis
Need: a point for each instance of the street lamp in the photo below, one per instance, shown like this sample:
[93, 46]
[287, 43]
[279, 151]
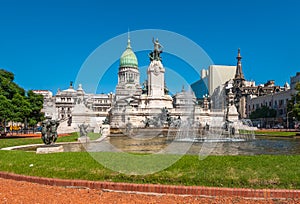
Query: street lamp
[287, 119]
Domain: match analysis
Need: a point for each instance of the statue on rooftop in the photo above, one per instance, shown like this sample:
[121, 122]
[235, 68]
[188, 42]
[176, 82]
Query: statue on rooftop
[155, 54]
[166, 90]
[157, 46]
[145, 87]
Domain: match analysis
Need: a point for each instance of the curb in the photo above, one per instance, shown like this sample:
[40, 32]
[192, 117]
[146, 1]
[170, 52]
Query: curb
[161, 189]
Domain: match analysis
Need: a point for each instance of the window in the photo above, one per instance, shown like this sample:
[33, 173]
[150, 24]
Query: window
[281, 103]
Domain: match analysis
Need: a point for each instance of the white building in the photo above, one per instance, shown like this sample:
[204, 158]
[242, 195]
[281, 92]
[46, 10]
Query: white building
[277, 101]
[184, 99]
[133, 104]
[218, 75]
[45, 93]
[61, 106]
[294, 80]
[49, 102]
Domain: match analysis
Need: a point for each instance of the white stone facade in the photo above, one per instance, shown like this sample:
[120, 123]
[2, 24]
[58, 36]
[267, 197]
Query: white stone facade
[74, 107]
[138, 105]
[132, 104]
[46, 93]
[277, 101]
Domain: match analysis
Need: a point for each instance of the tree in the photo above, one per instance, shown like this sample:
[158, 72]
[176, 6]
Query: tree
[6, 110]
[8, 88]
[36, 104]
[15, 104]
[263, 112]
[294, 103]
[21, 108]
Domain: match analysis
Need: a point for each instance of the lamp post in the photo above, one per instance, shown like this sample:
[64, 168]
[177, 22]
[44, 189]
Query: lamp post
[205, 102]
[287, 119]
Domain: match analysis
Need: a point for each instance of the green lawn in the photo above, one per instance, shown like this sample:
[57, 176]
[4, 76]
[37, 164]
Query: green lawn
[94, 136]
[262, 171]
[9, 142]
[275, 133]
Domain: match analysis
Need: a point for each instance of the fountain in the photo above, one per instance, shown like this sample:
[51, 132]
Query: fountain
[185, 139]
[241, 130]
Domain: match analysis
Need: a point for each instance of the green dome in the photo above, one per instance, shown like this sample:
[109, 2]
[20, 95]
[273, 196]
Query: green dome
[128, 58]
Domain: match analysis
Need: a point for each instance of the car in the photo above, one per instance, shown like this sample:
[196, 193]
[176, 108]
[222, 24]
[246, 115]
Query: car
[278, 126]
[39, 129]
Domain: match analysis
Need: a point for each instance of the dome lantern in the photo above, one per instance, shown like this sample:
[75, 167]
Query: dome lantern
[128, 58]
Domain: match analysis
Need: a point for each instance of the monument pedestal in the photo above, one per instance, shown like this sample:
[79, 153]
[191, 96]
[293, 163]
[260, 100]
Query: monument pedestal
[159, 102]
[105, 130]
[49, 149]
[83, 139]
[232, 114]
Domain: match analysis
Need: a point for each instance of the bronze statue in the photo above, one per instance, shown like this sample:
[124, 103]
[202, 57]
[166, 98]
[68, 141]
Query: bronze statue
[49, 131]
[155, 54]
[83, 130]
[145, 87]
[166, 90]
[157, 46]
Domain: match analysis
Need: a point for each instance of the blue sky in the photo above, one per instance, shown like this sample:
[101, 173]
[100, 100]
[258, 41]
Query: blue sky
[45, 43]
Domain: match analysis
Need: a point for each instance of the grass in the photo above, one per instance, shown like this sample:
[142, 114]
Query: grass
[221, 171]
[261, 171]
[9, 142]
[269, 133]
[275, 133]
[94, 136]
[241, 131]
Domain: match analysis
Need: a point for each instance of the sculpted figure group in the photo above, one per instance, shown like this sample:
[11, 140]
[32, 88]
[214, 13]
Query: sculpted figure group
[49, 131]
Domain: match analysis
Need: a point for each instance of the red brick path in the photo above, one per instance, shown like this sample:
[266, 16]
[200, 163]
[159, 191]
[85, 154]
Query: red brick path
[163, 189]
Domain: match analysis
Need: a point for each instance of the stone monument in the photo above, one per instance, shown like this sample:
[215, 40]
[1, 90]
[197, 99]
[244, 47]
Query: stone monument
[83, 131]
[49, 136]
[232, 114]
[49, 131]
[156, 88]
[105, 130]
